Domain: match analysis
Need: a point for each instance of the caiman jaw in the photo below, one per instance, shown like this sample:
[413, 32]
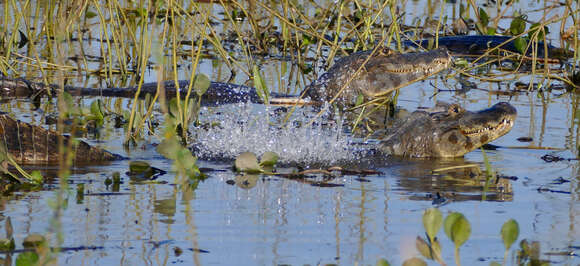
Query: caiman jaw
[504, 125]
[433, 66]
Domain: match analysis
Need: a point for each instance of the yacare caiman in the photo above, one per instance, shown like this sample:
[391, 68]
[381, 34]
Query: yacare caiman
[367, 73]
[30, 144]
[447, 130]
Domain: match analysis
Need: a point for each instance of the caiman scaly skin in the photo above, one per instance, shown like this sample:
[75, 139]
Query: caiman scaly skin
[384, 71]
[29, 144]
[447, 131]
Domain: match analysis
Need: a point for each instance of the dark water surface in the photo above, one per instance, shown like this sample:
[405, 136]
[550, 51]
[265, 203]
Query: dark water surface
[267, 220]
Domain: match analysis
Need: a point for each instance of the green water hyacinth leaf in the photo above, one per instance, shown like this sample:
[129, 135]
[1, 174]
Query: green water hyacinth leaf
[509, 233]
[494, 263]
[201, 83]
[483, 17]
[536, 28]
[517, 26]
[457, 228]
[414, 262]
[168, 148]
[430, 251]
[448, 222]
[28, 258]
[269, 159]
[36, 177]
[432, 220]
[520, 44]
[247, 162]
[139, 166]
[141, 169]
[383, 262]
[90, 14]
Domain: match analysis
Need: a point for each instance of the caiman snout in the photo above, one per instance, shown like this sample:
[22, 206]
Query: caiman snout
[496, 120]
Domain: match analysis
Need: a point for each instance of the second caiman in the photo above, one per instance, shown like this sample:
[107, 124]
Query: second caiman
[363, 73]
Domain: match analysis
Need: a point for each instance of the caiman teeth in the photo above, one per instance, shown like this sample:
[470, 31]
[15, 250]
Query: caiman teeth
[425, 69]
[504, 123]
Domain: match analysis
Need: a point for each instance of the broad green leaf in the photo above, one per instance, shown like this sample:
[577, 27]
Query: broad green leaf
[432, 220]
[185, 160]
[448, 222]
[414, 262]
[247, 162]
[520, 44]
[269, 159]
[517, 26]
[139, 167]
[483, 17]
[430, 251]
[460, 231]
[36, 177]
[27, 258]
[382, 262]
[494, 263]
[423, 248]
[90, 14]
[201, 83]
[509, 233]
[536, 28]
[168, 148]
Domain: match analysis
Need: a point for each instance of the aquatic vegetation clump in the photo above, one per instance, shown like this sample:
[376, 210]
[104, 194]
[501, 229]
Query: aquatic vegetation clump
[247, 128]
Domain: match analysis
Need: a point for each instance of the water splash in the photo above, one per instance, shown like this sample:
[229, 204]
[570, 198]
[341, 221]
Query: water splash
[248, 127]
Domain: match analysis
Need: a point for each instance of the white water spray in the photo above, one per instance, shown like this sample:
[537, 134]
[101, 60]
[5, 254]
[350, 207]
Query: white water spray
[252, 128]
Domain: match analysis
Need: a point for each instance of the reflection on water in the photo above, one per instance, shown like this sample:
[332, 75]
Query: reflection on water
[445, 181]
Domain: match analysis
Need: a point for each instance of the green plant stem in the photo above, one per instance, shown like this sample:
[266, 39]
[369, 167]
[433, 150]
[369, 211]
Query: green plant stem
[457, 259]
[505, 254]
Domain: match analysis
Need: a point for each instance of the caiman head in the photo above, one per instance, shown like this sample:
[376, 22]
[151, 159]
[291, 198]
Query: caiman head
[381, 73]
[448, 131]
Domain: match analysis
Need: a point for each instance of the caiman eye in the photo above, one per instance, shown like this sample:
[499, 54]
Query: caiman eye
[454, 109]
